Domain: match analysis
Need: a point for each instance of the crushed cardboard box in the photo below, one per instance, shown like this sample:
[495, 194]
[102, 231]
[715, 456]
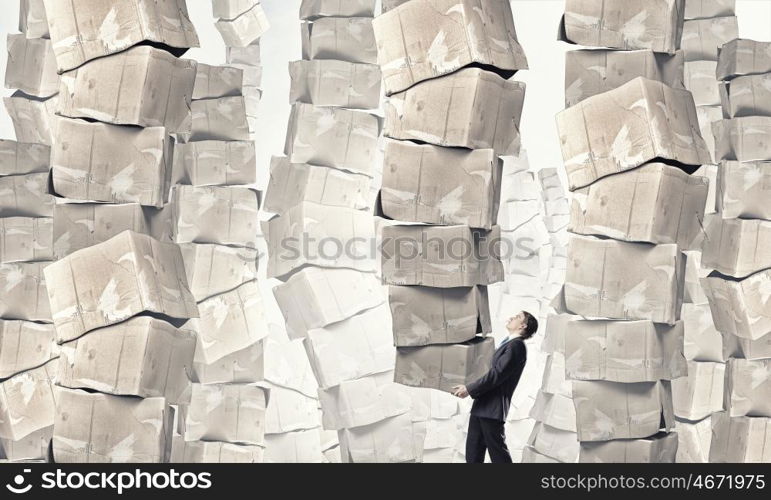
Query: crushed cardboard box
[658, 449]
[31, 66]
[555, 410]
[25, 345]
[740, 306]
[214, 269]
[228, 413]
[34, 120]
[231, 9]
[737, 247]
[388, 441]
[693, 441]
[703, 38]
[290, 411]
[244, 29]
[361, 402]
[26, 239]
[702, 9]
[24, 292]
[343, 38]
[700, 393]
[246, 366]
[744, 189]
[699, 78]
[312, 9]
[32, 447]
[217, 81]
[747, 348]
[294, 447]
[335, 83]
[25, 196]
[288, 366]
[215, 163]
[746, 96]
[740, 439]
[80, 225]
[20, 158]
[209, 452]
[27, 402]
[748, 388]
[247, 56]
[743, 139]
[702, 341]
[32, 19]
[707, 116]
[743, 57]
[221, 119]
[554, 443]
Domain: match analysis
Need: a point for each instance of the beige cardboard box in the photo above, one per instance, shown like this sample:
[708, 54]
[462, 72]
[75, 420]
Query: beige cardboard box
[221, 119]
[353, 348]
[655, 203]
[701, 9]
[555, 410]
[25, 196]
[33, 119]
[423, 315]
[746, 96]
[19, 158]
[435, 185]
[24, 292]
[231, 9]
[426, 39]
[214, 269]
[554, 377]
[530, 456]
[25, 345]
[629, 281]
[744, 189]
[624, 24]
[554, 443]
[105, 284]
[388, 441]
[748, 388]
[709, 172]
[702, 341]
[217, 81]
[313, 234]
[335, 83]
[215, 163]
[330, 137]
[288, 366]
[27, 402]
[740, 306]
[31, 66]
[619, 130]
[243, 56]
[142, 357]
[707, 116]
[343, 38]
[82, 30]
[743, 139]
[443, 367]
[80, 225]
[703, 38]
[658, 449]
[246, 366]
[693, 441]
[737, 247]
[387, 5]
[441, 256]
[743, 57]
[747, 348]
[592, 72]
[700, 80]
[294, 447]
[94, 161]
[457, 110]
[229, 322]
[25, 239]
[32, 19]
[361, 402]
[740, 439]
[209, 452]
[700, 393]
[32, 447]
[611, 410]
[293, 183]
[244, 29]
[229, 413]
[290, 411]
[316, 297]
[624, 351]
[102, 428]
[312, 9]
[213, 214]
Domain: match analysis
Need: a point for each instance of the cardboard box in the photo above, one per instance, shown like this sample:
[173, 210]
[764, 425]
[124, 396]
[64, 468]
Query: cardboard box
[32, 19]
[330, 137]
[592, 72]
[94, 161]
[743, 189]
[291, 184]
[25, 239]
[349, 39]
[25, 345]
[710, 173]
[229, 322]
[708, 115]
[423, 315]
[702, 341]
[743, 139]
[105, 284]
[287, 365]
[700, 393]
[294, 447]
[221, 119]
[312, 9]
[555, 410]
[19, 158]
[625, 281]
[693, 441]
[443, 367]
[387, 441]
[335, 83]
[703, 38]
[611, 410]
[83, 30]
[740, 439]
[25, 196]
[743, 57]
[456, 111]
[655, 203]
[217, 81]
[244, 29]
[441, 256]
[31, 66]
[356, 347]
[530, 456]
[142, 357]
[81, 225]
[246, 366]
[435, 185]
[658, 449]
[33, 119]
[290, 411]
[231, 9]
[518, 215]
[313, 234]
[24, 292]
[746, 348]
[101, 428]
[554, 443]
[746, 96]
[625, 25]
[208, 452]
[361, 402]
[31, 447]
[387, 5]
[432, 38]
[700, 80]
[740, 306]
[213, 214]
[215, 163]
[624, 351]
[554, 379]
[27, 402]
[249, 55]
[614, 131]
[737, 247]
[701, 9]
[316, 297]
[230, 413]
[748, 388]
[215, 269]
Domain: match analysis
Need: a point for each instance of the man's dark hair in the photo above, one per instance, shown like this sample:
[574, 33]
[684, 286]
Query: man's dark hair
[531, 325]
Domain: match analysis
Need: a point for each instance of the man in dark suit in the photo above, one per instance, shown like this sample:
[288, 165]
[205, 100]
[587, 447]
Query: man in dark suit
[492, 393]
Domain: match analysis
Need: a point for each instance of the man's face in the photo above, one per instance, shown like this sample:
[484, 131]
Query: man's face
[516, 323]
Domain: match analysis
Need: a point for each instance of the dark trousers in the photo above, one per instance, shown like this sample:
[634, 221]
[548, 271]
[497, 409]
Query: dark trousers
[486, 434]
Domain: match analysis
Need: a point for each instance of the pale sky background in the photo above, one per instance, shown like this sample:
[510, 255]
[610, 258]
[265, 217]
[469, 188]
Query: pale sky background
[536, 22]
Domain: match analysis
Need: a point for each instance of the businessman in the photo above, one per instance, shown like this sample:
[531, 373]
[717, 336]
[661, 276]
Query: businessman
[492, 393]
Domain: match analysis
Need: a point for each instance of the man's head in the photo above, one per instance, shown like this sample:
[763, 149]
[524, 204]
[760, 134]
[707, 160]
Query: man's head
[523, 324]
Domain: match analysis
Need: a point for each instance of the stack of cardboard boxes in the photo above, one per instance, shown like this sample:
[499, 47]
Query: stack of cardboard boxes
[27, 338]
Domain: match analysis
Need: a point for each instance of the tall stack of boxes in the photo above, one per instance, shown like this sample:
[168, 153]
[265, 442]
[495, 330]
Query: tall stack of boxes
[27, 338]
[630, 140]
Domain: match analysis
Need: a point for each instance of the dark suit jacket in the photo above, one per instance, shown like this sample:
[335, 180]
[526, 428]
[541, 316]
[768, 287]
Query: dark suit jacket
[492, 393]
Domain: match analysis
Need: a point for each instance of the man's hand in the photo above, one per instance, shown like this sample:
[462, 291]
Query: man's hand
[460, 391]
